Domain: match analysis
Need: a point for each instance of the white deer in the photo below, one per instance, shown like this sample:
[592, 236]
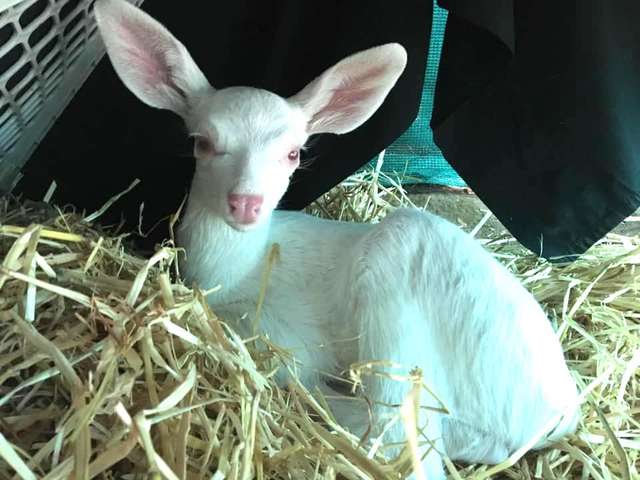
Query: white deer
[413, 289]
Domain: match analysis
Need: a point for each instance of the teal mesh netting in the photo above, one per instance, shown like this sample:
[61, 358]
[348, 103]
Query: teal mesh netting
[414, 154]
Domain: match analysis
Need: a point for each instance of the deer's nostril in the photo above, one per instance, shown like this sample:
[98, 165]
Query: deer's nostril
[245, 208]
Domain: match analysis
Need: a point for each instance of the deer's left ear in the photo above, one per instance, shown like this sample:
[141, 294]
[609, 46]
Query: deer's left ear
[149, 60]
[347, 94]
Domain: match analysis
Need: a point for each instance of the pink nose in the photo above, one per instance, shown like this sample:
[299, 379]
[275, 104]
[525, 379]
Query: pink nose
[245, 209]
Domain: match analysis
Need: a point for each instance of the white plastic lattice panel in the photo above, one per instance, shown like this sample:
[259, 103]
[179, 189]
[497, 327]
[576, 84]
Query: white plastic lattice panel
[47, 50]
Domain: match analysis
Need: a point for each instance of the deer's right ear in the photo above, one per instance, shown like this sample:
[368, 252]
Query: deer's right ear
[347, 94]
[149, 60]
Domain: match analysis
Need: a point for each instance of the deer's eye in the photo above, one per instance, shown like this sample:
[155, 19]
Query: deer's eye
[294, 155]
[203, 147]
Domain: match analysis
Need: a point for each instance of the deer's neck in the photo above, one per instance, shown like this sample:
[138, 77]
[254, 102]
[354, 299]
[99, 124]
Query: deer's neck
[216, 253]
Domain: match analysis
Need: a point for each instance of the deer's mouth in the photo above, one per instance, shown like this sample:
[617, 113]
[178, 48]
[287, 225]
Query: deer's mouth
[243, 226]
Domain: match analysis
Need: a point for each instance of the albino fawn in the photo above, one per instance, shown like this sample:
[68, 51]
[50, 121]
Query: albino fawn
[414, 289]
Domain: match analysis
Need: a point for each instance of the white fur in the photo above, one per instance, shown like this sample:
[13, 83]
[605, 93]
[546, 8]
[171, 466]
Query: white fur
[414, 289]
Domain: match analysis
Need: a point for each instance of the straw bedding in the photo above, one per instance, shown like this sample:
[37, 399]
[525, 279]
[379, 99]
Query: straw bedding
[111, 368]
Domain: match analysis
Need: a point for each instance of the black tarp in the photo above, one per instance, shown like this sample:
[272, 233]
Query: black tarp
[536, 107]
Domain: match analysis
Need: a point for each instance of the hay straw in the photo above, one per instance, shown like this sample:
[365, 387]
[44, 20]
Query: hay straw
[111, 369]
[50, 191]
[98, 213]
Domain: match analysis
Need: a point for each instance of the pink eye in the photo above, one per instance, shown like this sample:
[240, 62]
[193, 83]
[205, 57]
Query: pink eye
[294, 155]
[203, 147]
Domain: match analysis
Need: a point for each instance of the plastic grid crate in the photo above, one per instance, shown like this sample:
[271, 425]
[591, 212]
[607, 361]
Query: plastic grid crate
[47, 50]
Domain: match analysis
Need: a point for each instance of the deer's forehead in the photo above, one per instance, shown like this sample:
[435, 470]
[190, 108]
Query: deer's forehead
[240, 116]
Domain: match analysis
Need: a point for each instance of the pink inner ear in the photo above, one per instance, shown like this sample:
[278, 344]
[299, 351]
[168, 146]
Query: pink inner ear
[145, 52]
[345, 102]
[353, 95]
[344, 99]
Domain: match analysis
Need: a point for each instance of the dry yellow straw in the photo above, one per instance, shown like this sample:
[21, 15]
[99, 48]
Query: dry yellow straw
[110, 366]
